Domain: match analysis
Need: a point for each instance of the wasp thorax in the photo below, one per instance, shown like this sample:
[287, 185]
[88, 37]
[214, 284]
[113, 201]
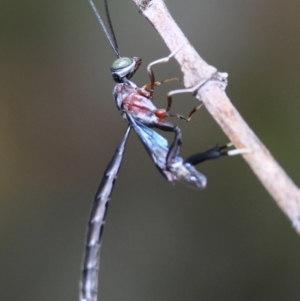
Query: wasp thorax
[124, 68]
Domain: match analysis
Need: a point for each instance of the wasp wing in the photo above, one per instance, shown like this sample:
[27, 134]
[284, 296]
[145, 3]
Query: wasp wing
[158, 147]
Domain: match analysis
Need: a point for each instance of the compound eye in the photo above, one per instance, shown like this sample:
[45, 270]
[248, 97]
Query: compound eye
[116, 78]
[121, 63]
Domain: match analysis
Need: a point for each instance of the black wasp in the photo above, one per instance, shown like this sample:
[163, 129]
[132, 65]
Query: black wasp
[135, 105]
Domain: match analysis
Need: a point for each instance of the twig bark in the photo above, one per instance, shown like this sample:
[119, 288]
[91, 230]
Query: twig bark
[195, 70]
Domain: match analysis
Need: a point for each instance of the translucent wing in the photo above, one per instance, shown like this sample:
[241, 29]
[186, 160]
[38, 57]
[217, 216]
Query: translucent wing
[157, 147]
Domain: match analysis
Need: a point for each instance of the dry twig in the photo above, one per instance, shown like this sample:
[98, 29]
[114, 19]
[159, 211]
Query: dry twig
[285, 193]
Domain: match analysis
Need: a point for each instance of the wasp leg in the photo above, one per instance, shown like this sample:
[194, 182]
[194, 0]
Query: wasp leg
[189, 90]
[215, 153]
[160, 61]
[147, 87]
[174, 149]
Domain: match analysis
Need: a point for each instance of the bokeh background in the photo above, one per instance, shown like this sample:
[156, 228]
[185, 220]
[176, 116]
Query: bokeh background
[59, 127]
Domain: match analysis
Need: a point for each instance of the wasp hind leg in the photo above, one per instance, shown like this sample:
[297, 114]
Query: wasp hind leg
[174, 149]
[215, 153]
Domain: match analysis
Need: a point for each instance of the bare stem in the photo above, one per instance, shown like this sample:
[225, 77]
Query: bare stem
[284, 192]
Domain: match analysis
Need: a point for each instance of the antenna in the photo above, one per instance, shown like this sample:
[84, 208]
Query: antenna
[112, 39]
[110, 26]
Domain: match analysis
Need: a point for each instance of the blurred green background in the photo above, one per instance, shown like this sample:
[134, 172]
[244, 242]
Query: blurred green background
[59, 127]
